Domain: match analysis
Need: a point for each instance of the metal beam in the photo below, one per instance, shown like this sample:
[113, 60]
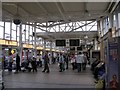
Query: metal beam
[114, 7]
[92, 27]
[50, 25]
[81, 26]
[61, 12]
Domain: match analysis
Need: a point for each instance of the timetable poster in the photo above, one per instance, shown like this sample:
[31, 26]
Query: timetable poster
[113, 63]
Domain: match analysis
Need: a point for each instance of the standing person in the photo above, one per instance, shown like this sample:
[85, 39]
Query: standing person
[38, 60]
[84, 62]
[10, 62]
[66, 60]
[18, 63]
[79, 61]
[46, 62]
[61, 62]
[72, 59]
[34, 66]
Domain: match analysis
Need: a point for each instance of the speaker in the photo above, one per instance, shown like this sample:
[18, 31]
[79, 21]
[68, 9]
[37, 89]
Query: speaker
[17, 21]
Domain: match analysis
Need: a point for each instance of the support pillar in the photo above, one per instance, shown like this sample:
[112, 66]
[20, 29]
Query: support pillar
[101, 40]
[35, 51]
[44, 43]
[20, 43]
[111, 20]
[95, 44]
[51, 54]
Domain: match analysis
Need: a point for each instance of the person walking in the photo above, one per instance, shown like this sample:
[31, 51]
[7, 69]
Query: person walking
[61, 62]
[79, 61]
[84, 62]
[34, 65]
[38, 60]
[66, 60]
[10, 62]
[46, 62]
[72, 59]
[18, 63]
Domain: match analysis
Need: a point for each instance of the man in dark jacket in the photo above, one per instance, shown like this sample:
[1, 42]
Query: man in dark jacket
[46, 62]
[18, 63]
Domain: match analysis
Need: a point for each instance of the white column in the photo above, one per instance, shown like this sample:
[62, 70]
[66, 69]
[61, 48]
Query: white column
[102, 26]
[35, 51]
[44, 42]
[50, 52]
[24, 54]
[95, 44]
[4, 31]
[118, 20]
[111, 20]
[20, 43]
[10, 30]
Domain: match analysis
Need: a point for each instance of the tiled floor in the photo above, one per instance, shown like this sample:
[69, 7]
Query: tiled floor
[54, 79]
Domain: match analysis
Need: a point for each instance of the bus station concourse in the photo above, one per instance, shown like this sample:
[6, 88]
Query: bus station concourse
[60, 44]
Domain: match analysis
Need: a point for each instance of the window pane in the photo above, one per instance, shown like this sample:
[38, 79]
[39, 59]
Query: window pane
[7, 36]
[1, 23]
[31, 30]
[13, 26]
[26, 34]
[23, 38]
[1, 32]
[18, 30]
[13, 35]
[7, 27]
[30, 40]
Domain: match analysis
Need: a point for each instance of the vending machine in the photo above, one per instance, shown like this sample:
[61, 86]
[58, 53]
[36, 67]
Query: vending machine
[112, 61]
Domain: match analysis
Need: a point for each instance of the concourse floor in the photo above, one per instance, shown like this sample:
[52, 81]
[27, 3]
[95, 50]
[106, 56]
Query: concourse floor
[54, 79]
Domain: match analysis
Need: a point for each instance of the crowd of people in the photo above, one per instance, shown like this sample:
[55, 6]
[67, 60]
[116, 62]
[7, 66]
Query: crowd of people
[78, 61]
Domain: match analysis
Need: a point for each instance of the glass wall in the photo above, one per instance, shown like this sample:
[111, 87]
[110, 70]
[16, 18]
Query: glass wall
[7, 30]
[14, 32]
[1, 30]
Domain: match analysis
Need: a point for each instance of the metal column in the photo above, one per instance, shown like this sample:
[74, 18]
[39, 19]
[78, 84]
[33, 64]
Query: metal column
[111, 20]
[35, 51]
[20, 43]
[51, 54]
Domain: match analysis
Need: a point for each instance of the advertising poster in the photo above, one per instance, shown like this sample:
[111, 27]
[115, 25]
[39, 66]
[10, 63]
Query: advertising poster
[113, 63]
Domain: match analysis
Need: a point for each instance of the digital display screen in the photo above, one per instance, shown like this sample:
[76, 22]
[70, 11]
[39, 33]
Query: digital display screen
[60, 42]
[74, 42]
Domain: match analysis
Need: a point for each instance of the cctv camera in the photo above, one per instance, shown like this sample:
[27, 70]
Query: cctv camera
[17, 21]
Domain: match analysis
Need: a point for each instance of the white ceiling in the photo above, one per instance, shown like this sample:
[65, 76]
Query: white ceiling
[54, 11]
